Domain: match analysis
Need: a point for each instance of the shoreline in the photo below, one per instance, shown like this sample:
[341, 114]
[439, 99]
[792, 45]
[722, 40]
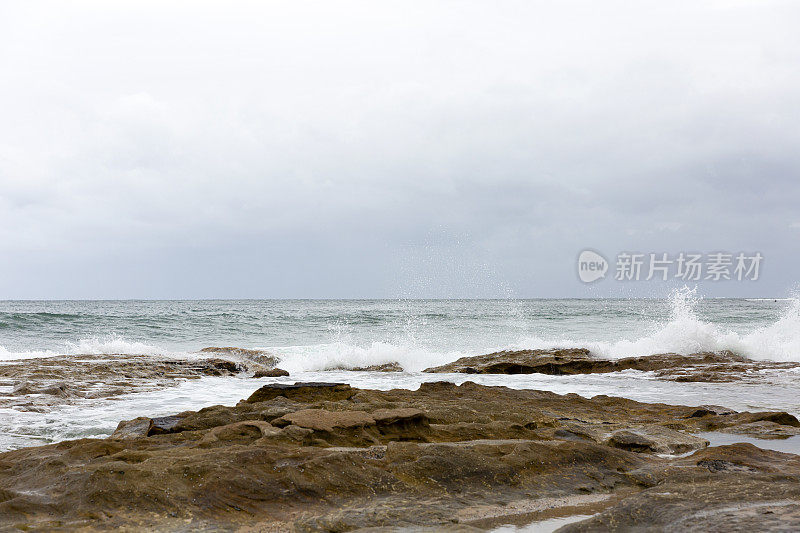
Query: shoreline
[324, 456]
[64, 397]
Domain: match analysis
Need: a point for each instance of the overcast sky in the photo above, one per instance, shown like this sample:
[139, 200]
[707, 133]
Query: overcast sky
[391, 149]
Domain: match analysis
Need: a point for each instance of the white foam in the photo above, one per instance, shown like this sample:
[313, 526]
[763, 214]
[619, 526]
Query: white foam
[681, 332]
[111, 345]
[344, 355]
[685, 333]
[6, 355]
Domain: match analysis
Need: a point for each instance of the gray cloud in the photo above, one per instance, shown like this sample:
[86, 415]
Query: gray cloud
[306, 149]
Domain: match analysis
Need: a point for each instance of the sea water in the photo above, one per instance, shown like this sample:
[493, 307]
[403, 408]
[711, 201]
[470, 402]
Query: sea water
[315, 339]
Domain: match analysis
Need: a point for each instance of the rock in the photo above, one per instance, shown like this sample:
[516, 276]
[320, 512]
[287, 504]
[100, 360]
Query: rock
[232, 350]
[408, 424]
[566, 361]
[764, 429]
[67, 379]
[312, 456]
[21, 388]
[252, 359]
[138, 427]
[272, 373]
[706, 410]
[386, 367]
[781, 418]
[728, 488]
[386, 417]
[359, 428]
[164, 424]
[60, 389]
[218, 367]
[767, 424]
[322, 420]
[705, 366]
[302, 392]
[240, 433]
[655, 439]
[433, 387]
[146, 427]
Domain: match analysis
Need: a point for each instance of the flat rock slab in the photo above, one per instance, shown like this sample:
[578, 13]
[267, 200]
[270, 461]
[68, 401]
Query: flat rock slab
[704, 366]
[67, 379]
[272, 373]
[656, 439]
[746, 489]
[302, 392]
[323, 420]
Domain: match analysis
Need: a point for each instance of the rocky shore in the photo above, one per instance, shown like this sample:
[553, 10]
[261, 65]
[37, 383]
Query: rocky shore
[41, 383]
[704, 367]
[328, 457]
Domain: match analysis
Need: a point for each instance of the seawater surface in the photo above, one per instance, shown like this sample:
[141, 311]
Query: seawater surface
[315, 339]
[320, 334]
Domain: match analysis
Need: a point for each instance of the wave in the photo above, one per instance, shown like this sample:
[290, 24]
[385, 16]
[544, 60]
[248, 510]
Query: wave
[115, 345]
[340, 355]
[681, 331]
[685, 333]
[111, 345]
[6, 355]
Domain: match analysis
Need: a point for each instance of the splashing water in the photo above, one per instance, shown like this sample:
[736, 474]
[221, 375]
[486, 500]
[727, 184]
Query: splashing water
[685, 333]
[320, 335]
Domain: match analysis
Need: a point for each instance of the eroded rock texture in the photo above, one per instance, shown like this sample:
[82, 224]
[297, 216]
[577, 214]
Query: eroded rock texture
[706, 366]
[328, 457]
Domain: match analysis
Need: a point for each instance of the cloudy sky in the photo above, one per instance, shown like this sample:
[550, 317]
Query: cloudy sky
[391, 149]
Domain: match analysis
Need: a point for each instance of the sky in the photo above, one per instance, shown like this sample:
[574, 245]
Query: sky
[392, 149]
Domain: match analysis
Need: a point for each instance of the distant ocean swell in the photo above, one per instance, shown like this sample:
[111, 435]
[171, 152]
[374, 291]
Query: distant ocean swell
[681, 332]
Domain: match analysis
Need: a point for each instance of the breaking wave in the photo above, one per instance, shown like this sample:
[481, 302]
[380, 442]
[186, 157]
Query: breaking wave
[340, 355]
[111, 345]
[438, 333]
[685, 333]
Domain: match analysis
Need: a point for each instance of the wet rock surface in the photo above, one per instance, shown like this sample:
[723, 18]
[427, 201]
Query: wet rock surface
[273, 373]
[50, 381]
[254, 360]
[704, 367]
[386, 367]
[34, 384]
[745, 489]
[330, 457]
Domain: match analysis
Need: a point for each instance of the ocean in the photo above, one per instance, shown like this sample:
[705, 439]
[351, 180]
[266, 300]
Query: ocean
[318, 334]
[316, 340]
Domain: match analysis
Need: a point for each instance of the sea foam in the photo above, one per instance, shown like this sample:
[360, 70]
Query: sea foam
[685, 333]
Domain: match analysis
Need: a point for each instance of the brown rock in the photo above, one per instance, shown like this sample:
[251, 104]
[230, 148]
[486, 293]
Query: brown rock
[346, 459]
[706, 410]
[272, 373]
[253, 359]
[138, 427]
[729, 488]
[221, 366]
[302, 392]
[706, 366]
[240, 432]
[386, 367]
[394, 416]
[322, 420]
[655, 439]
